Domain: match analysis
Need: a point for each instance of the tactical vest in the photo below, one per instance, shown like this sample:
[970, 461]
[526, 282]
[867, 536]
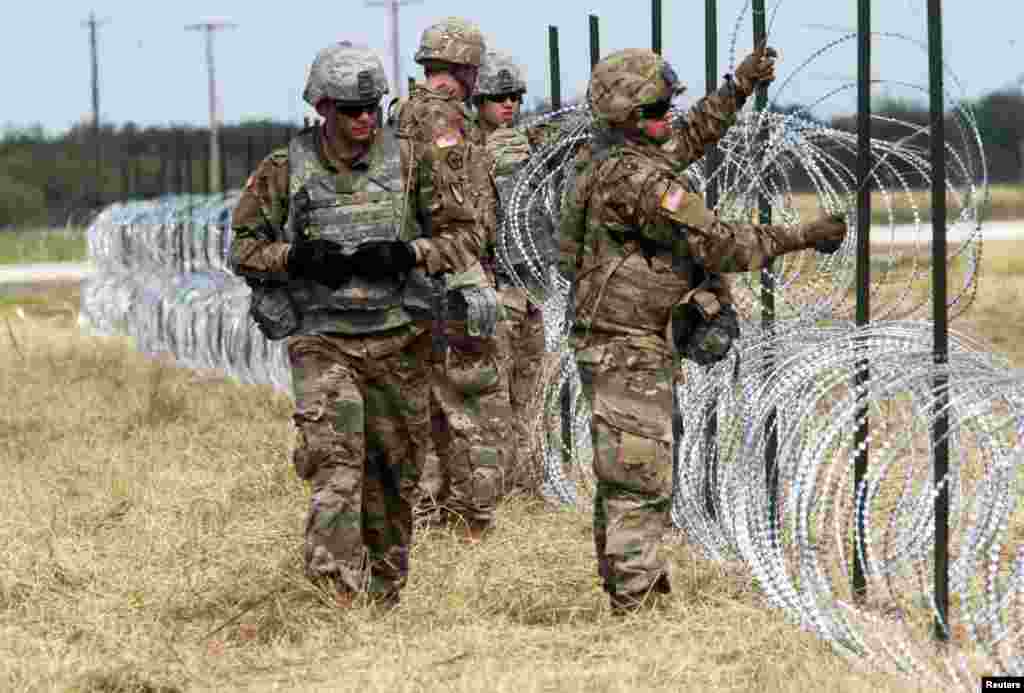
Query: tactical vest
[349, 208]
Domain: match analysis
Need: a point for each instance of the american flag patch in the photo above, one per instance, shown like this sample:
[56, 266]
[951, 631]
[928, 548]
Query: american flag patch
[449, 139]
[673, 197]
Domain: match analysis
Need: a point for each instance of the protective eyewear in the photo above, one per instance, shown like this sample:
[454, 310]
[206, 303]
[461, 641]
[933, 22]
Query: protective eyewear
[514, 97]
[355, 111]
[656, 111]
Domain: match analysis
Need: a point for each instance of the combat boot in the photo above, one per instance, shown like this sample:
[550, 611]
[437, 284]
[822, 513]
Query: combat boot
[346, 599]
[654, 598]
[473, 531]
[385, 602]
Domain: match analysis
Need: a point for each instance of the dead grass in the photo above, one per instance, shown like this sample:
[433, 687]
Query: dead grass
[151, 540]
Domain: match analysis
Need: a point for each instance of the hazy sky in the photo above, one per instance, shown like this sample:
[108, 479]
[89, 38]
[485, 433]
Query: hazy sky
[152, 71]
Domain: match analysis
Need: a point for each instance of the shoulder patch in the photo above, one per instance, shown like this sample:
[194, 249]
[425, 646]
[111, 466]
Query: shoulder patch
[673, 197]
[448, 139]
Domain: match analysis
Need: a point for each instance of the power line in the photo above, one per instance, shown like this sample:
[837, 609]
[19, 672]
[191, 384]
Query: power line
[216, 184]
[396, 64]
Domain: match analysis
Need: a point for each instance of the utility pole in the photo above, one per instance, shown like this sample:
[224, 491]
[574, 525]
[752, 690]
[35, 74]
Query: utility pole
[209, 27]
[92, 23]
[396, 63]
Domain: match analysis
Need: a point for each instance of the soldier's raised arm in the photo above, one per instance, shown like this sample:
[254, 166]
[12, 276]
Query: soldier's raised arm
[709, 119]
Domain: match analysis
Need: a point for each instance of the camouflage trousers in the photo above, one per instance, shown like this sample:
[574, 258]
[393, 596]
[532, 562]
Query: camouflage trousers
[471, 428]
[363, 426]
[628, 382]
[523, 348]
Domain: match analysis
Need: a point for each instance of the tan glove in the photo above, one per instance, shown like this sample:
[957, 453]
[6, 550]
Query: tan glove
[826, 234]
[757, 68]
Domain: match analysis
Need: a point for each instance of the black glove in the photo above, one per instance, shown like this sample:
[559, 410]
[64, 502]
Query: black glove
[319, 260]
[382, 259]
[827, 245]
[827, 234]
[711, 340]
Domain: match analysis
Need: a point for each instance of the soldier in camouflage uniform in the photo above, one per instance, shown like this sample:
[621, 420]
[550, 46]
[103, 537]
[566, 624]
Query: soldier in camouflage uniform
[501, 86]
[632, 233]
[319, 236]
[446, 174]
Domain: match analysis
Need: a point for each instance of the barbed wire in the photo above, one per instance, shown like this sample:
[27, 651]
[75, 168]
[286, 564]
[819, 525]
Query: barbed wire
[164, 280]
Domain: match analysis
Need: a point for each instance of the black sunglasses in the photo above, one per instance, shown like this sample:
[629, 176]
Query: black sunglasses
[355, 111]
[514, 97]
[656, 111]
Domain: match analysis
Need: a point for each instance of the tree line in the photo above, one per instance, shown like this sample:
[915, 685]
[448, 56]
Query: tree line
[57, 181]
[60, 180]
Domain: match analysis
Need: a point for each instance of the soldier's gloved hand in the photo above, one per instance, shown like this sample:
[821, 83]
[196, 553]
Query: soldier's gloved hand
[381, 259]
[712, 339]
[757, 68]
[319, 260]
[826, 235]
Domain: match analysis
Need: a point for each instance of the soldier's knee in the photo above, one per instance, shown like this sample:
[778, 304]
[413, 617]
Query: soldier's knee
[327, 435]
[487, 473]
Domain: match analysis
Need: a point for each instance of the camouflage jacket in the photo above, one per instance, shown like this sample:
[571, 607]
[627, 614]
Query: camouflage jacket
[510, 149]
[260, 244]
[258, 221]
[632, 232]
[446, 175]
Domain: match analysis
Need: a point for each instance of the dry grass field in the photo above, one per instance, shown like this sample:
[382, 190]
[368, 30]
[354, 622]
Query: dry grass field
[1006, 202]
[151, 543]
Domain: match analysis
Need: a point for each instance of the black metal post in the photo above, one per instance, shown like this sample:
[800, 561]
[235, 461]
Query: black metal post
[711, 198]
[767, 285]
[940, 429]
[860, 465]
[556, 69]
[656, 26]
[595, 41]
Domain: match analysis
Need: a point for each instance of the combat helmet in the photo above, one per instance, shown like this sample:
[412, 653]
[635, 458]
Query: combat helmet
[452, 40]
[499, 74]
[346, 73]
[630, 79]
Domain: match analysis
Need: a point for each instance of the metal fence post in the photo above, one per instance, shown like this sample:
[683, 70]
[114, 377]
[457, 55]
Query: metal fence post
[767, 287]
[556, 70]
[940, 429]
[656, 26]
[860, 467]
[711, 198]
[595, 41]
